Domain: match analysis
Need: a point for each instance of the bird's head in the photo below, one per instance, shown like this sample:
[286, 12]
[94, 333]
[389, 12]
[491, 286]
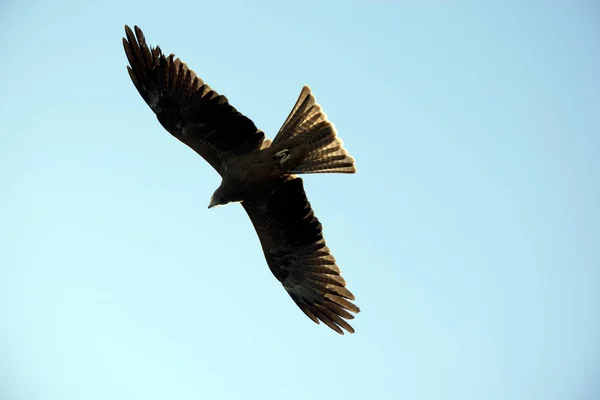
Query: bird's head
[222, 196]
[218, 198]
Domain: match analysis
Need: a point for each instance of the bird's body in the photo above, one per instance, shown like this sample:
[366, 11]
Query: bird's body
[253, 173]
[258, 173]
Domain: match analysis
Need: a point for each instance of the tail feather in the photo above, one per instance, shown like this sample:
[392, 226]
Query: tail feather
[302, 112]
[325, 150]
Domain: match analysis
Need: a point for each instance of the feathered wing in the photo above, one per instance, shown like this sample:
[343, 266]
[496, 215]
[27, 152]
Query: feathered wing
[187, 107]
[292, 241]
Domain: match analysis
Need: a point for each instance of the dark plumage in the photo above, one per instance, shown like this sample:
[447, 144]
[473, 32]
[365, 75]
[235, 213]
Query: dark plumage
[257, 173]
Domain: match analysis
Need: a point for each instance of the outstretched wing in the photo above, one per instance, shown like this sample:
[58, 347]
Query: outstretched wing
[292, 240]
[187, 107]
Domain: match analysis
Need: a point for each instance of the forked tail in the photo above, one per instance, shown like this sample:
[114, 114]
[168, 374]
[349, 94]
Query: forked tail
[309, 125]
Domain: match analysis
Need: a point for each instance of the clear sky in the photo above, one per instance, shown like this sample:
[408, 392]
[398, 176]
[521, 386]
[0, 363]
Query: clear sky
[470, 235]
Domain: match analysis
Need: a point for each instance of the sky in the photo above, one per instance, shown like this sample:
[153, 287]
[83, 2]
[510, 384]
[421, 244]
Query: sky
[470, 234]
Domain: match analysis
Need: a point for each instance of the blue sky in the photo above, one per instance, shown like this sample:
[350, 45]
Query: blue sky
[470, 235]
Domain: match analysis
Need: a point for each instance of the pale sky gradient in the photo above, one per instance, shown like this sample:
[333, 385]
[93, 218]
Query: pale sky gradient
[470, 235]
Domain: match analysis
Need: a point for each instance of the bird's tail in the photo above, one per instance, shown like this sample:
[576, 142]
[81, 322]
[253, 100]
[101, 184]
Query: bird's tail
[308, 125]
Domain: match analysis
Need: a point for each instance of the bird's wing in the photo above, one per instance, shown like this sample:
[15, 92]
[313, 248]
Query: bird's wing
[187, 107]
[292, 240]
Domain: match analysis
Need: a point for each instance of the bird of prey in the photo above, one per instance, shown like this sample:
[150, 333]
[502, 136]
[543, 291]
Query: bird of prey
[259, 173]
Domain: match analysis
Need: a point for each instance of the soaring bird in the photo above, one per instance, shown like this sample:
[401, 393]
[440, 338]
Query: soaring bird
[256, 172]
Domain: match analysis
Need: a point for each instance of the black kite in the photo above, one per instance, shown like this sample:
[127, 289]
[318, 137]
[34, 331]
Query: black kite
[257, 172]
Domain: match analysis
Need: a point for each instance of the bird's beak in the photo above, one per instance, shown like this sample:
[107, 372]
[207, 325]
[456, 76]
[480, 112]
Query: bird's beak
[212, 202]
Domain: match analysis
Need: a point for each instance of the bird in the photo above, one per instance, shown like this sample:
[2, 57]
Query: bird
[259, 173]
